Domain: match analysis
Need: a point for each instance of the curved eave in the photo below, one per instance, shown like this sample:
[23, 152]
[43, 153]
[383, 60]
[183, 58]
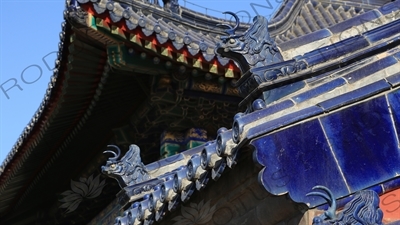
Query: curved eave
[63, 110]
[40, 118]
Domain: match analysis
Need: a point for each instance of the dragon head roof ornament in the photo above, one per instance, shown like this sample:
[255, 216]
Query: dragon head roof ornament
[362, 209]
[129, 170]
[258, 58]
[253, 48]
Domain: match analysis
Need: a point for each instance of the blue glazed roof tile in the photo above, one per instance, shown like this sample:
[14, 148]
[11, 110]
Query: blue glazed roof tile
[287, 165]
[394, 80]
[394, 102]
[354, 96]
[363, 52]
[326, 87]
[241, 121]
[279, 92]
[390, 7]
[362, 138]
[355, 21]
[382, 32]
[397, 55]
[315, 36]
[370, 69]
[335, 50]
[285, 120]
[100, 7]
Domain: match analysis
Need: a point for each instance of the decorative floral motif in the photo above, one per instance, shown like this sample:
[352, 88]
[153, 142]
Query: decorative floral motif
[195, 214]
[84, 188]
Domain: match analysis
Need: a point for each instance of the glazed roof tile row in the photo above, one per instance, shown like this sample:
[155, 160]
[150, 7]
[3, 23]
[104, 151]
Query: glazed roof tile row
[197, 40]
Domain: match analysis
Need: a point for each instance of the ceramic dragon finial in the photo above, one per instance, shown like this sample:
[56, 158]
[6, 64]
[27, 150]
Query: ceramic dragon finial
[363, 209]
[253, 48]
[129, 170]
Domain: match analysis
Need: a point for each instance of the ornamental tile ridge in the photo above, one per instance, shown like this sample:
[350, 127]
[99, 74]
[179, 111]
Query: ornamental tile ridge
[103, 6]
[139, 17]
[322, 94]
[164, 35]
[153, 190]
[65, 31]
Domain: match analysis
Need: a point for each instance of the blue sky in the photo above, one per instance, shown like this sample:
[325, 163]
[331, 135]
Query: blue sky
[29, 37]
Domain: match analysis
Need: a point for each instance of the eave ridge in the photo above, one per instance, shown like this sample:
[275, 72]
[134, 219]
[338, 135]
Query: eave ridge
[199, 38]
[207, 25]
[159, 35]
[171, 181]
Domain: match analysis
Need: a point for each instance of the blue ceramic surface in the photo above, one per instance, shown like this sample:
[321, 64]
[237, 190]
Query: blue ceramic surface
[364, 143]
[302, 40]
[355, 21]
[389, 8]
[397, 55]
[394, 102]
[347, 150]
[354, 96]
[319, 90]
[297, 164]
[384, 31]
[370, 69]
[394, 80]
[283, 121]
[335, 50]
[280, 92]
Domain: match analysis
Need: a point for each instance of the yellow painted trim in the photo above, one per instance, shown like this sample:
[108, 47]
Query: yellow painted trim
[229, 73]
[197, 63]
[134, 38]
[91, 21]
[213, 68]
[150, 45]
[181, 58]
[166, 52]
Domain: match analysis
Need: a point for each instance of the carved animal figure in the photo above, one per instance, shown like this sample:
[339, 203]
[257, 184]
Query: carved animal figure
[253, 48]
[129, 170]
[172, 5]
[362, 210]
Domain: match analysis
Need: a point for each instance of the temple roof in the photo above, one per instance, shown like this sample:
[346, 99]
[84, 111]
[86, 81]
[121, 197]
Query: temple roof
[85, 95]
